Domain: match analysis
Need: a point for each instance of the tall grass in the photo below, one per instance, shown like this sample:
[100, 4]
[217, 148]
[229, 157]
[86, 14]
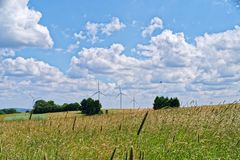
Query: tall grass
[185, 133]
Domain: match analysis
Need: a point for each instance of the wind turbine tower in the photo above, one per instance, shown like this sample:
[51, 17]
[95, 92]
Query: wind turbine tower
[134, 102]
[98, 92]
[120, 95]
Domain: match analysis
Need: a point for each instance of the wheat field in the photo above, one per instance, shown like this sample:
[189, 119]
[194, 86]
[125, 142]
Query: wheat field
[208, 132]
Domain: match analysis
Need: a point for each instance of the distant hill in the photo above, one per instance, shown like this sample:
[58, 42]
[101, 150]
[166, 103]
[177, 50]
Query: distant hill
[22, 109]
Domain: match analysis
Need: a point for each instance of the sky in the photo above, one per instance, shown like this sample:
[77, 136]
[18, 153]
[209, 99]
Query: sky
[60, 50]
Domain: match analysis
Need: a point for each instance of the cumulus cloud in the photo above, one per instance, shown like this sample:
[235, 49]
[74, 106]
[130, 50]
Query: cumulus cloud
[80, 36]
[208, 67]
[94, 30]
[6, 52]
[106, 62]
[20, 76]
[73, 47]
[211, 67]
[20, 26]
[219, 57]
[21, 69]
[114, 25]
[156, 23]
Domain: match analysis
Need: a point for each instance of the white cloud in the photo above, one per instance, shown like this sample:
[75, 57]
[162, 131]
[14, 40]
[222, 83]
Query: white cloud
[106, 62]
[73, 47]
[6, 52]
[80, 36]
[156, 23]
[114, 25]
[211, 67]
[22, 69]
[20, 26]
[94, 30]
[219, 57]
[207, 70]
[20, 76]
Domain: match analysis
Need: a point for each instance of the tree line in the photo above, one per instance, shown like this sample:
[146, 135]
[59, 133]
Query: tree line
[165, 102]
[8, 111]
[91, 107]
[86, 106]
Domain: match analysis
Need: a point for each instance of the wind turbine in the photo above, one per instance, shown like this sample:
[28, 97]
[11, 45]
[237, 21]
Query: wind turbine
[134, 102]
[33, 98]
[120, 95]
[98, 92]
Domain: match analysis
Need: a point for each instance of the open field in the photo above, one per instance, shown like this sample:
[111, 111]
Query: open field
[185, 133]
[20, 117]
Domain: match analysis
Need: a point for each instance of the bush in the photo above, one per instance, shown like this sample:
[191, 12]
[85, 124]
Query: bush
[90, 106]
[162, 102]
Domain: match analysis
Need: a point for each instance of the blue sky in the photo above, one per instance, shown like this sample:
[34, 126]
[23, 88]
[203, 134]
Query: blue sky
[191, 46]
[194, 18]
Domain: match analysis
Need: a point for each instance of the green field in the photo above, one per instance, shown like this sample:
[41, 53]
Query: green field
[22, 117]
[184, 133]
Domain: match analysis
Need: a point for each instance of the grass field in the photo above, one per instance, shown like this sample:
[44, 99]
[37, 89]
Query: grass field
[185, 133]
[21, 117]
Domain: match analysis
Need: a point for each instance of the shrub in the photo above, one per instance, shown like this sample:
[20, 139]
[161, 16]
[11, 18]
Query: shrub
[90, 106]
[162, 102]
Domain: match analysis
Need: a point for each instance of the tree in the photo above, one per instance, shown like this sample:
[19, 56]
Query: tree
[90, 106]
[162, 102]
[174, 102]
[42, 106]
[71, 106]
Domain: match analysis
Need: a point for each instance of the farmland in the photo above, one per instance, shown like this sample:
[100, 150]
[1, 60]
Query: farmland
[208, 132]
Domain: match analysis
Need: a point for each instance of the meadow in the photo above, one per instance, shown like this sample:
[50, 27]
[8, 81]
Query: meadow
[207, 132]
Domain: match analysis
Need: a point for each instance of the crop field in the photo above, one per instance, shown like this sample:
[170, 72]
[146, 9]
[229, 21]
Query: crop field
[185, 133]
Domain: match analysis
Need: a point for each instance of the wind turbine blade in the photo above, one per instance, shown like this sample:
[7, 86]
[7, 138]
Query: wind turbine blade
[102, 94]
[124, 94]
[31, 95]
[110, 95]
[38, 98]
[94, 94]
